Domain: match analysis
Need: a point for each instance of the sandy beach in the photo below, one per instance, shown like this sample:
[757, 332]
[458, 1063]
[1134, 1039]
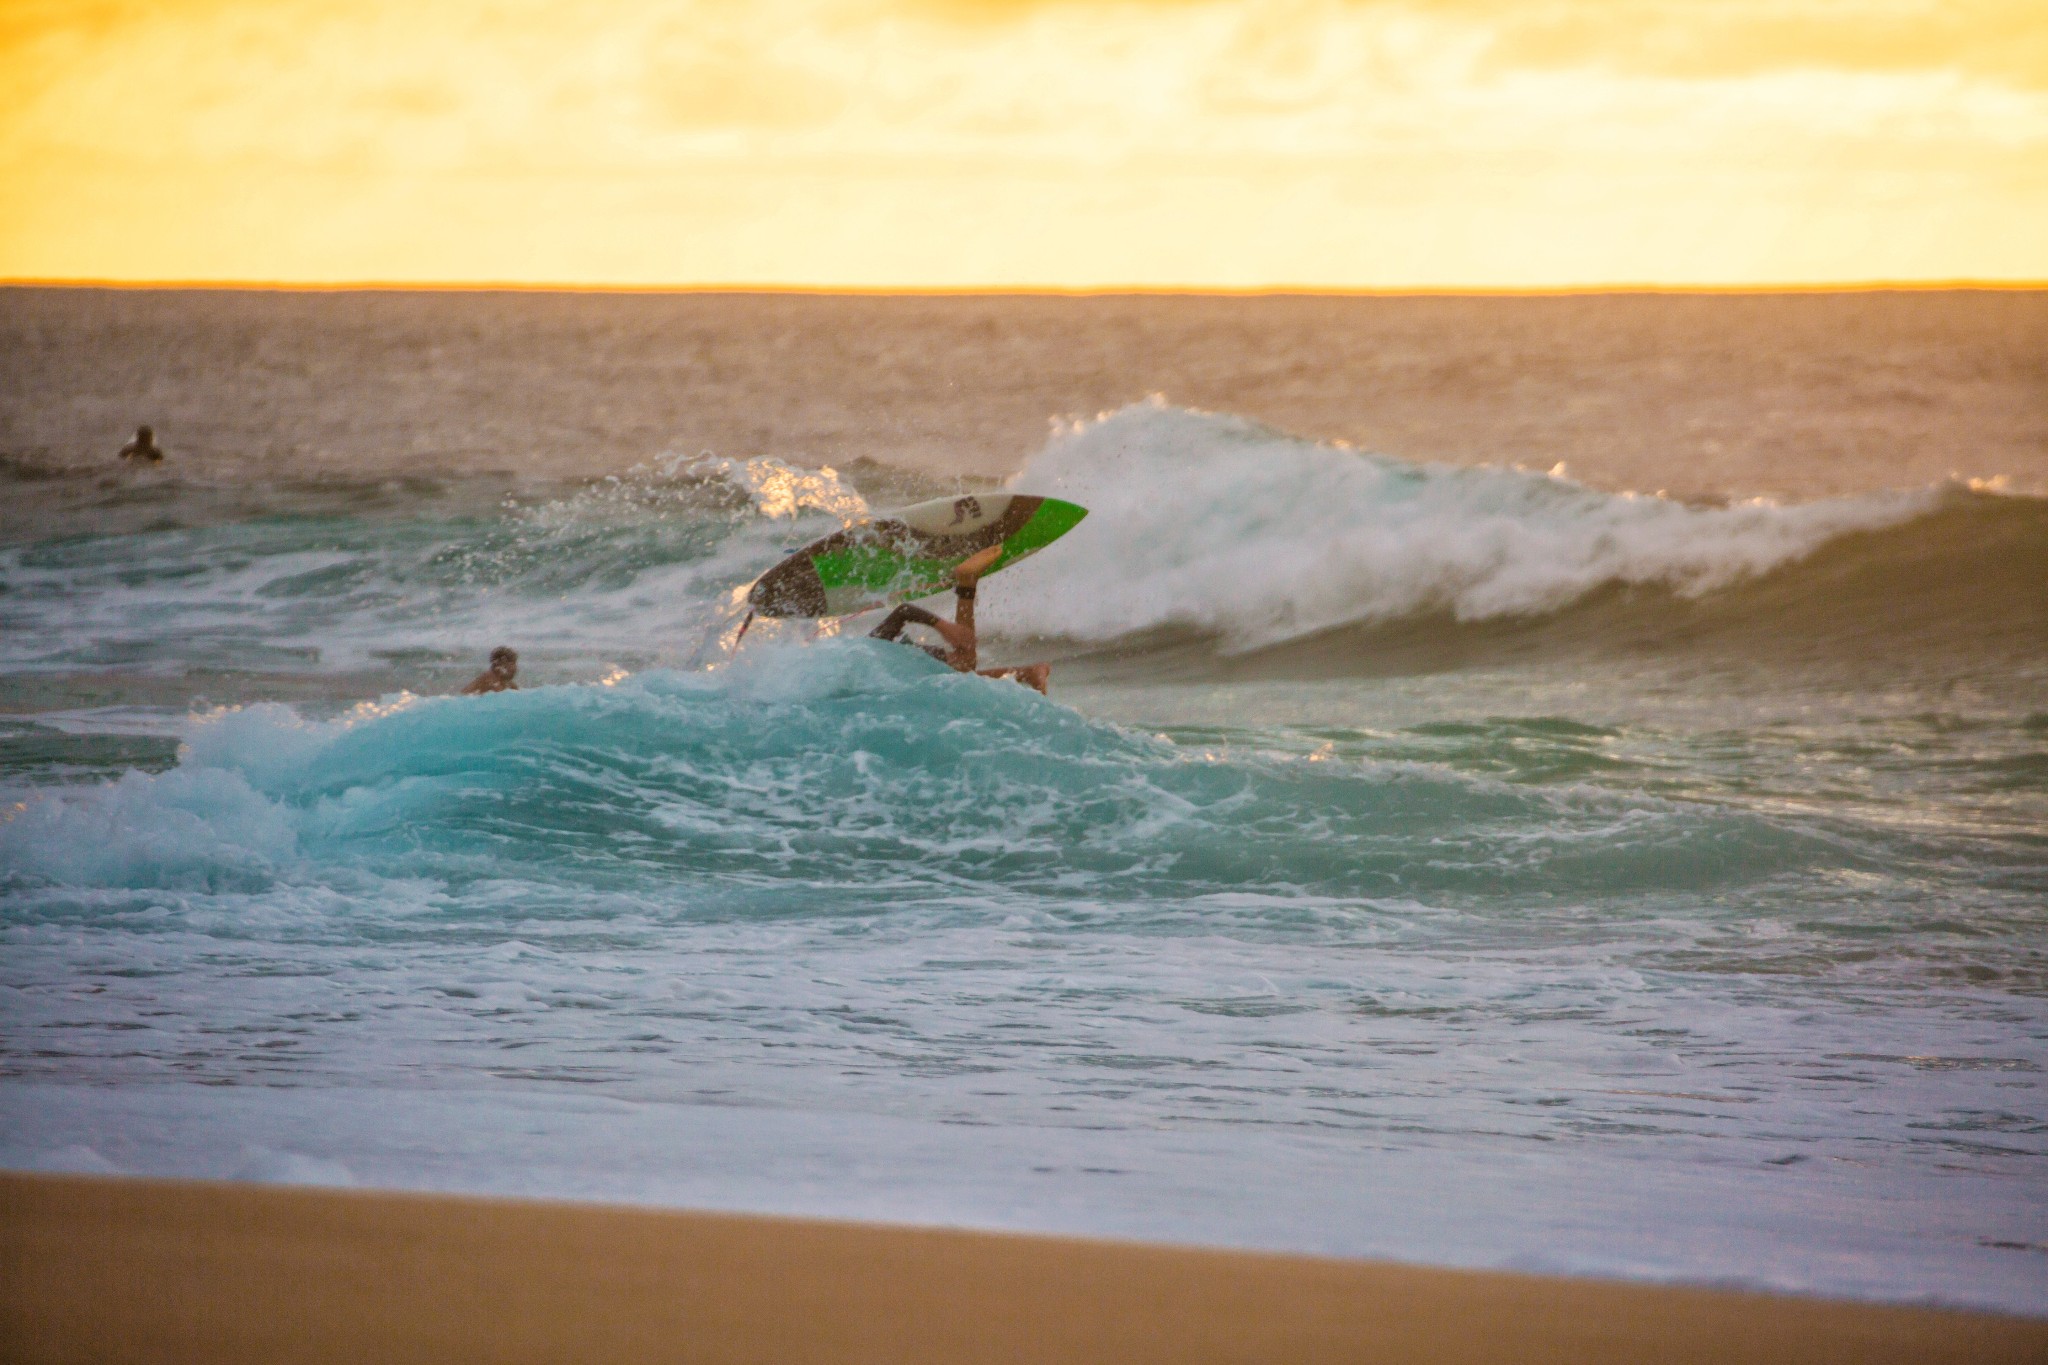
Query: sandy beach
[115, 1269]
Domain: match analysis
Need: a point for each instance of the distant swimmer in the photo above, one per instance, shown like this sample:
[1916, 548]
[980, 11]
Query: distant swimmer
[498, 677]
[143, 447]
[958, 633]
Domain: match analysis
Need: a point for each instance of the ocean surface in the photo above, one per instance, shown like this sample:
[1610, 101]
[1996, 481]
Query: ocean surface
[1453, 859]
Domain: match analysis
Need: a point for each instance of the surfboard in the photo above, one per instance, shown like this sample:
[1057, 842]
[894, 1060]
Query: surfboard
[910, 553]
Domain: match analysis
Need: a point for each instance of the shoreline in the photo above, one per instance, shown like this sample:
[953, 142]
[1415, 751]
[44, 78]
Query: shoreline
[103, 1268]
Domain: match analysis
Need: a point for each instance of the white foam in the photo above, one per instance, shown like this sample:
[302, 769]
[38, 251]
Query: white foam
[264, 1166]
[1216, 524]
[75, 1159]
[192, 828]
[777, 489]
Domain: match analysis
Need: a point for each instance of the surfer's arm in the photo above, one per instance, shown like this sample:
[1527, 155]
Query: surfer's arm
[959, 632]
[961, 635]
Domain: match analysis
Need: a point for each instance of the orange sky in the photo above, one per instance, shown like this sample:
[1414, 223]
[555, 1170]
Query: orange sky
[946, 143]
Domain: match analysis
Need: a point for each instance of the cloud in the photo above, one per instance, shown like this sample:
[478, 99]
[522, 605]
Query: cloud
[1243, 140]
[2005, 40]
[709, 94]
[2000, 40]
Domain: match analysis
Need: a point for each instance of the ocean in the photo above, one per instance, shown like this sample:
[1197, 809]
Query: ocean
[1557, 784]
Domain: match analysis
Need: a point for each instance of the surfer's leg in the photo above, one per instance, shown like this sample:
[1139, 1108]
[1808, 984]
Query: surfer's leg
[893, 624]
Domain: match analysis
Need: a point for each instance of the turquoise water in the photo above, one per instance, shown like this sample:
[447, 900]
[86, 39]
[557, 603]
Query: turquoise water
[1453, 865]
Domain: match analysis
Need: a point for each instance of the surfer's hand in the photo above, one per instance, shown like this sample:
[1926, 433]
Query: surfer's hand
[974, 566]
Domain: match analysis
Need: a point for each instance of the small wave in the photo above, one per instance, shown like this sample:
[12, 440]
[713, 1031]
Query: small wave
[48, 500]
[848, 765]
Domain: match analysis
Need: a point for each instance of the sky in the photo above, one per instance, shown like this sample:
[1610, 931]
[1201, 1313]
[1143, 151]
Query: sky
[1341, 144]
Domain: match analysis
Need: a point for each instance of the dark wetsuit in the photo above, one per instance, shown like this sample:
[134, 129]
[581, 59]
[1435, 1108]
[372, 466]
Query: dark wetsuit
[143, 448]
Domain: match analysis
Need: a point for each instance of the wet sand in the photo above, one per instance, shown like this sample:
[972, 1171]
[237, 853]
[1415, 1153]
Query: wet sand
[1704, 395]
[101, 1269]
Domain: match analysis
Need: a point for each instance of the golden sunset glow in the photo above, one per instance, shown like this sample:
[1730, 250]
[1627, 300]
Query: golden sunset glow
[882, 143]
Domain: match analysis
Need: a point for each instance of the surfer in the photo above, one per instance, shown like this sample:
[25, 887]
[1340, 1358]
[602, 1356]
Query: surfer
[143, 447]
[498, 677]
[958, 633]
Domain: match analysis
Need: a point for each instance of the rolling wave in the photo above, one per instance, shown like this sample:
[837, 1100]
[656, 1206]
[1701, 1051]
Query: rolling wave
[1228, 547]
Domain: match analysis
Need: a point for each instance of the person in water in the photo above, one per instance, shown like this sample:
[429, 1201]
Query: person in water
[143, 447]
[498, 677]
[958, 633]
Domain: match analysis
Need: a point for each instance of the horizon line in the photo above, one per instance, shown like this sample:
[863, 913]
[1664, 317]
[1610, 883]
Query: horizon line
[1034, 290]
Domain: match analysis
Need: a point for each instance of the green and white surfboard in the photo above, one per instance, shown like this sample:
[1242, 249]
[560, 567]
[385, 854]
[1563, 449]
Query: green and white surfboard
[909, 554]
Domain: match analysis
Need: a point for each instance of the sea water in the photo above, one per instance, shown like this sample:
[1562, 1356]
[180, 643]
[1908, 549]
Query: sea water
[1457, 864]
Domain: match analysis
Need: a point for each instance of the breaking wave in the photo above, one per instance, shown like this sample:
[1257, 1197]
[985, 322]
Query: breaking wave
[1216, 532]
[1214, 546]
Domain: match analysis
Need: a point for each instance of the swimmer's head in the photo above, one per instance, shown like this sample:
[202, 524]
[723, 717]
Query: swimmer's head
[504, 661]
[144, 435]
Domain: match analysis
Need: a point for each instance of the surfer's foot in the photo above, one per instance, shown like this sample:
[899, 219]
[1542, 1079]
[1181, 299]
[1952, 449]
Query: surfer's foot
[1034, 676]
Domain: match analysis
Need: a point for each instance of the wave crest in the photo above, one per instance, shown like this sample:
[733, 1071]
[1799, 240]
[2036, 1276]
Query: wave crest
[1217, 525]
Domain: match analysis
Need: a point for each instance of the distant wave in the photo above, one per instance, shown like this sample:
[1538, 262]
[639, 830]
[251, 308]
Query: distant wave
[1216, 539]
[47, 498]
[167, 568]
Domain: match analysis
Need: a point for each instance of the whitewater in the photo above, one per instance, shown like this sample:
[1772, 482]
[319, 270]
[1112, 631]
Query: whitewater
[1457, 864]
